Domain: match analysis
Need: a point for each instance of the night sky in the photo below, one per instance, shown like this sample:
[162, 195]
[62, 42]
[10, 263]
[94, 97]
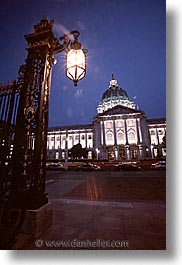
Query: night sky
[124, 37]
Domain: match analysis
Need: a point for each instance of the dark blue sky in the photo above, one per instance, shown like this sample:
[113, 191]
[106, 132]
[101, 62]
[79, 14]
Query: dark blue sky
[124, 37]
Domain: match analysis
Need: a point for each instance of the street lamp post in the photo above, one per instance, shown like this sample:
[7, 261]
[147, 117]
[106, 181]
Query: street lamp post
[29, 162]
[24, 126]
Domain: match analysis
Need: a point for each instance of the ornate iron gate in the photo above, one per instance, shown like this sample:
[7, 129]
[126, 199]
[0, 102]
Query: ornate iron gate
[23, 132]
[11, 218]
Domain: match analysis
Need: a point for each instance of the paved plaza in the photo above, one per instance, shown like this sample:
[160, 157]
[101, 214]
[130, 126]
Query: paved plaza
[104, 210]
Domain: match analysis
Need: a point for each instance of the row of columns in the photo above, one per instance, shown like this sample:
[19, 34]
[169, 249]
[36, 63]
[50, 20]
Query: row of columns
[73, 140]
[138, 131]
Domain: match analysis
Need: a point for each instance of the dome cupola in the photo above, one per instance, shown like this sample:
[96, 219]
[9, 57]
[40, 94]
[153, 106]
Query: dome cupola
[114, 96]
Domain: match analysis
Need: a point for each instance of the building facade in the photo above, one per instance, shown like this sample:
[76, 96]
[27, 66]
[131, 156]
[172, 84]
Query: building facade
[119, 131]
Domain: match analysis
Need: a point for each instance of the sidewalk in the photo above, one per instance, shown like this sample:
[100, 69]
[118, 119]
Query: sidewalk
[140, 225]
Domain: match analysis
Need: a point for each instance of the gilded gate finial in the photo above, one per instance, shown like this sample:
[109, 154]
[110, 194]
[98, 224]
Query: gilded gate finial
[44, 25]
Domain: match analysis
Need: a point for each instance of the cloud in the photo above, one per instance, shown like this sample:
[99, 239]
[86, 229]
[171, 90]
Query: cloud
[97, 69]
[65, 88]
[60, 29]
[82, 113]
[78, 93]
[81, 25]
[69, 112]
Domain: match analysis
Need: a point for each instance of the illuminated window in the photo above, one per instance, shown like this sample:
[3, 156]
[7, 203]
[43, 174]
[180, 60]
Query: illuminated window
[160, 132]
[119, 124]
[164, 151]
[134, 154]
[130, 123]
[57, 155]
[152, 132]
[154, 139]
[120, 138]
[108, 124]
[156, 152]
[109, 138]
[131, 137]
[89, 154]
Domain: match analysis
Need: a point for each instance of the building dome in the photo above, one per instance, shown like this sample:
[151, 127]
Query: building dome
[114, 96]
[114, 92]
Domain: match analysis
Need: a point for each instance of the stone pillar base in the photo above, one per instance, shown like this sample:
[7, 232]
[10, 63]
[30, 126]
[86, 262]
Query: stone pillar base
[37, 221]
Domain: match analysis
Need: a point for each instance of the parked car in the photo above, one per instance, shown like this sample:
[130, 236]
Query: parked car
[88, 167]
[55, 166]
[128, 167]
[159, 165]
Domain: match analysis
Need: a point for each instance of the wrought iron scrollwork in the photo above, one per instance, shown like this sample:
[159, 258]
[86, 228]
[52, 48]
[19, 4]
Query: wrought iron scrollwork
[23, 130]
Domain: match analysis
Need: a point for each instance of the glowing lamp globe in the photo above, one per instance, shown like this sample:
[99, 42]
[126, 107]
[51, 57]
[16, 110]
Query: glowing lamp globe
[76, 62]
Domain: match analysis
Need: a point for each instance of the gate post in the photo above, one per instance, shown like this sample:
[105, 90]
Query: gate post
[26, 103]
[29, 156]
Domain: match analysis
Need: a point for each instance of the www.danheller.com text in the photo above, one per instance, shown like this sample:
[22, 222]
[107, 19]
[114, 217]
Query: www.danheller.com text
[76, 243]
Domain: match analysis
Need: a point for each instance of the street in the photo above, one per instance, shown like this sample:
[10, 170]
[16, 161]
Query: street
[107, 186]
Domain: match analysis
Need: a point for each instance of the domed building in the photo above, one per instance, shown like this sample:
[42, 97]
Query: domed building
[114, 96]
[119, 131]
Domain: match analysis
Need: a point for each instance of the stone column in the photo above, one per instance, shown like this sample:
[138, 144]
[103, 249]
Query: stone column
[116, 153]
[127, 152]
[139, 130]
[54, 140]
[140, 152]
[138, 134]
[157, 136]
[114, 130]
[85, 140]
[103, 132]
[60, 141]
[126, 133]
[79, 137]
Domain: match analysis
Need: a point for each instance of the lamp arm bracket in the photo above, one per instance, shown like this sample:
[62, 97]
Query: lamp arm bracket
[65, 41]
[60, 44]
